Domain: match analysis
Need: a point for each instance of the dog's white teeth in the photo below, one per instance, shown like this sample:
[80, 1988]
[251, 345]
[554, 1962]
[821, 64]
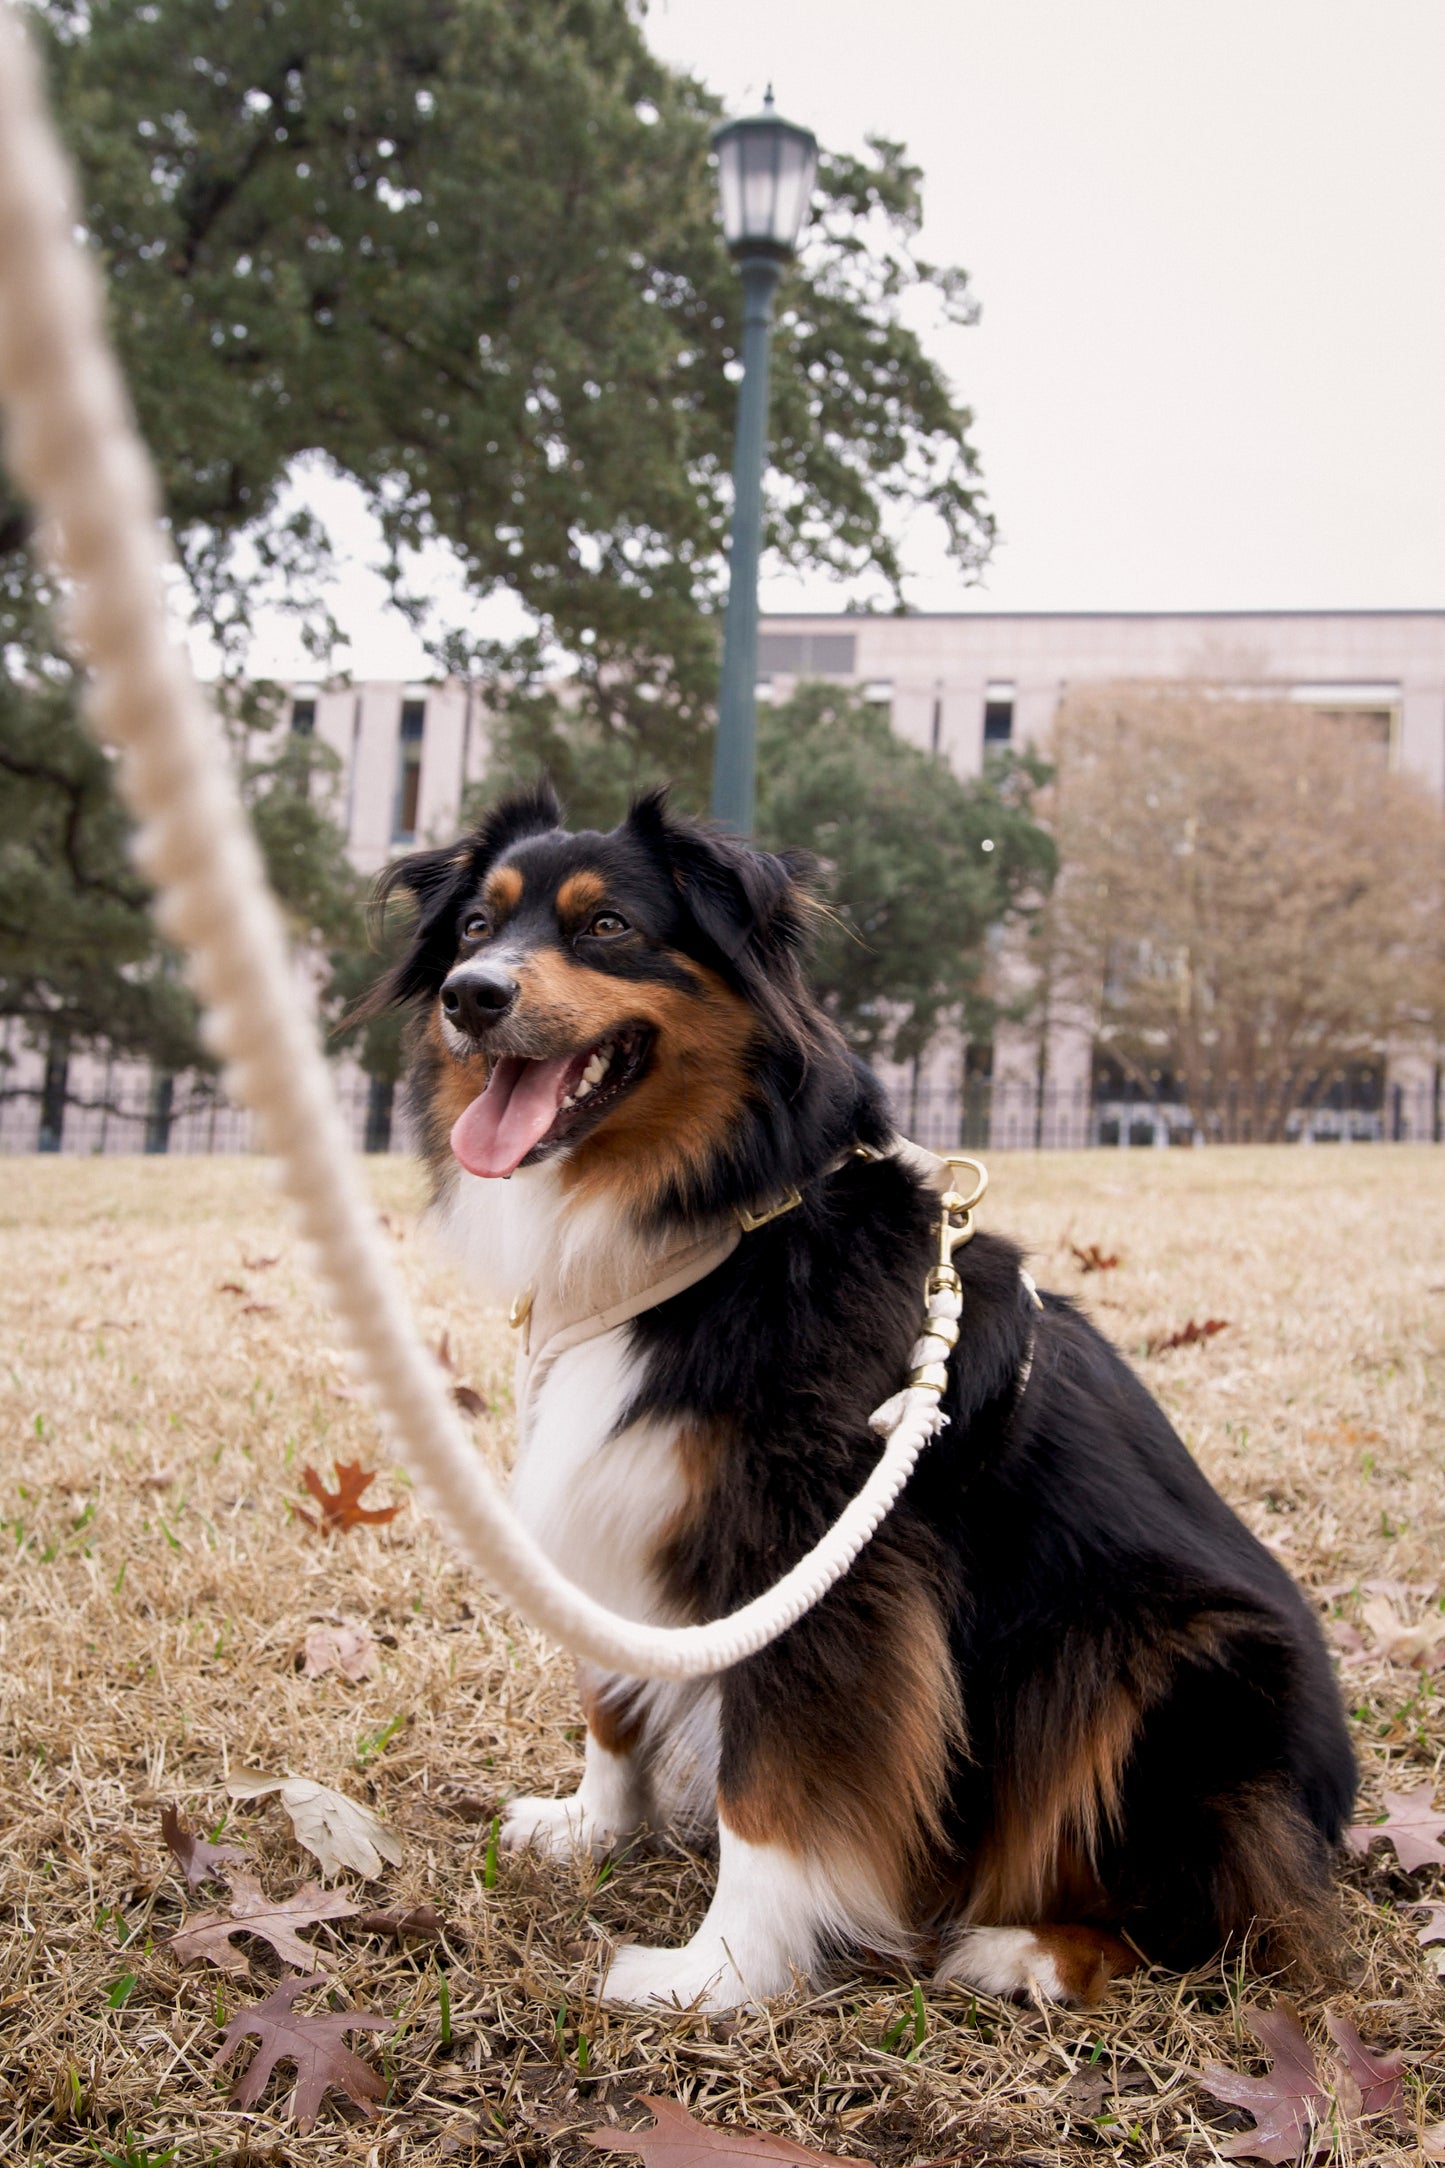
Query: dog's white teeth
[596, 1068]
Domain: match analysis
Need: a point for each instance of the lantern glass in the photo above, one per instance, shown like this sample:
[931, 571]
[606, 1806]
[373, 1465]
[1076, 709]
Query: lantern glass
[766, 170]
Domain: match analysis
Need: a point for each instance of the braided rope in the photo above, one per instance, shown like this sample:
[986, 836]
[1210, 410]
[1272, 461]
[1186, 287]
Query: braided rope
[73, 445]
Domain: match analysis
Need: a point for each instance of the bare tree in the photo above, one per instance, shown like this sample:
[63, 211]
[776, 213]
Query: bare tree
[1249, 897]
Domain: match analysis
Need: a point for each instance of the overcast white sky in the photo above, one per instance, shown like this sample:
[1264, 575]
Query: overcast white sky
[1208, 237]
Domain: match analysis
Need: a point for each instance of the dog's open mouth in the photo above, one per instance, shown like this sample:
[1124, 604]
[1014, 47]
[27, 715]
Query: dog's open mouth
[530, 1108]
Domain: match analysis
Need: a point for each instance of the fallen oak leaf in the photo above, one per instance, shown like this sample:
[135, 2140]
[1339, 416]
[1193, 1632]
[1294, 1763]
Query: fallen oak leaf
[252, 1912]
[342, 1508]
[1379, 2079]
[1411, 1825]
[314, 2043]
[338, 1831]
[421, 1921]
[1418, 1646]
[1287, 2104]
[198, 1857]
[1434, 1927]
[347, 1649]
[677, 2140]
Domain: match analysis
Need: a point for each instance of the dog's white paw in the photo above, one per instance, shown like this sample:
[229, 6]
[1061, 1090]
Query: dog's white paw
[560, 1828]
[699, 1976]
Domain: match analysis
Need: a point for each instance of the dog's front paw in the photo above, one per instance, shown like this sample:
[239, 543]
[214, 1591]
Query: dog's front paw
[699, 1976]
[561, 1828]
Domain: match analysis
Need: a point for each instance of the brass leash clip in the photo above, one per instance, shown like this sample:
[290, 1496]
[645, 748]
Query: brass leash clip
[955, 1220]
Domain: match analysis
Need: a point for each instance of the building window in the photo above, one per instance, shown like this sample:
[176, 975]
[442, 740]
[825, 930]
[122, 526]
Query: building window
[303, 718]
[807, 654]
[408, 778]
[998, 714]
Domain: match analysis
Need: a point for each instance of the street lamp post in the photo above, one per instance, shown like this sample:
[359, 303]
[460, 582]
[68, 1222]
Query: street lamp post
[766, 168]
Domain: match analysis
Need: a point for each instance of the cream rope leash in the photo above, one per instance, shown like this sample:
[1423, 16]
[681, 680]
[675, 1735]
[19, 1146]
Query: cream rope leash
[73, 445]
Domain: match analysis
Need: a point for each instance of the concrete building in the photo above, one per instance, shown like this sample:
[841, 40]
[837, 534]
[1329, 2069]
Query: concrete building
[960, 684]
[954, 684]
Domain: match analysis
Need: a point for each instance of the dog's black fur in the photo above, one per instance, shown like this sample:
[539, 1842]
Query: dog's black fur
[1064, 1684]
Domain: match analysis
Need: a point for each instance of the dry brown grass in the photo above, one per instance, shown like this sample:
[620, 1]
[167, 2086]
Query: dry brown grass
[156, 1588]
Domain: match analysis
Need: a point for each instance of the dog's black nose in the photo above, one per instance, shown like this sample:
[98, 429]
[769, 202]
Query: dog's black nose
[476, 1000]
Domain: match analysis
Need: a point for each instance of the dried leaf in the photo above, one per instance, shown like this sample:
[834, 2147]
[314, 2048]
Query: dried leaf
[198, 1857]
[469, 1399]
[231, 1287]
[1420, 1645]
[1287, 2103]
[1411, 1825]
[1159, 1343]
[341, 1509]
[256, 1309]
[677, 2140]
[340, 1832]
[315, 2044]
[252, 1912]
[422, 1921]
[1380, 2079]
[1093, 1259]
[347, 1649]
[1432, 2139]
[261, 1264]
[1434, 1927]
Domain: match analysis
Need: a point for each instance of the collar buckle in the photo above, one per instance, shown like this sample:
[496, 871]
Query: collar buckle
[751, 1221]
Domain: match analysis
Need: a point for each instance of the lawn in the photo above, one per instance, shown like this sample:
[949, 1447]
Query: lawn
[169, 1372]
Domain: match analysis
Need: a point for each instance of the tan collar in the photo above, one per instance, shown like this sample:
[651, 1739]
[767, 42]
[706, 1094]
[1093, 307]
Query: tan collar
[549, 1323]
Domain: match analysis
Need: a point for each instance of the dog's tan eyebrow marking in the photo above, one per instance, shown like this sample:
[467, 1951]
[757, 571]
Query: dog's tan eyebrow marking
[579, 894]
[502, 890]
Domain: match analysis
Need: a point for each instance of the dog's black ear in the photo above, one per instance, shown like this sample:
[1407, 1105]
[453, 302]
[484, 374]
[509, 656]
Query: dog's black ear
[527, 812]
[743, 901]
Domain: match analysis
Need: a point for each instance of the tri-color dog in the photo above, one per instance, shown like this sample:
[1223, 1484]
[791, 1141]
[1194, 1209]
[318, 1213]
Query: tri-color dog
[1064, 1711]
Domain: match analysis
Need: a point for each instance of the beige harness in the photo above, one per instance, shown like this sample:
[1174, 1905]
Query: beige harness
[550, 1323]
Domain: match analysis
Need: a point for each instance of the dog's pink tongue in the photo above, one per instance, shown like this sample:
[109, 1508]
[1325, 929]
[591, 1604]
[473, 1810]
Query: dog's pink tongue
[495, 1133]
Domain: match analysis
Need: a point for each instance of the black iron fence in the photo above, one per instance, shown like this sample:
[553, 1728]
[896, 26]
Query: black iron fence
[123, 1110]
[126, 1111]
[1018, 1114]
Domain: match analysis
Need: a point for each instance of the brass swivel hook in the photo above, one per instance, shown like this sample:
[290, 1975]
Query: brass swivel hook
[955, 1220]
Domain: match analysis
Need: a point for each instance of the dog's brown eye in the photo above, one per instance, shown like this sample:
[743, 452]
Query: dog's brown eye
[475, 926]
[608, 922]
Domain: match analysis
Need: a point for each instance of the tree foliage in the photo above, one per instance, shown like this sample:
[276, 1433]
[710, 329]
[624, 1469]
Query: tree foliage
[78, 953]
[465, 252]
[1249, 901]
[917, 866]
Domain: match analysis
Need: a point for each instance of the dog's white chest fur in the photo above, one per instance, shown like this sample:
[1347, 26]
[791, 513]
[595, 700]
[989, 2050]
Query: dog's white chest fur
[595, 1495]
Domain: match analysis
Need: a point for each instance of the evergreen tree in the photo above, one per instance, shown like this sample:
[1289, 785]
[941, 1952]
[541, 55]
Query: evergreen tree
[465, 252]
